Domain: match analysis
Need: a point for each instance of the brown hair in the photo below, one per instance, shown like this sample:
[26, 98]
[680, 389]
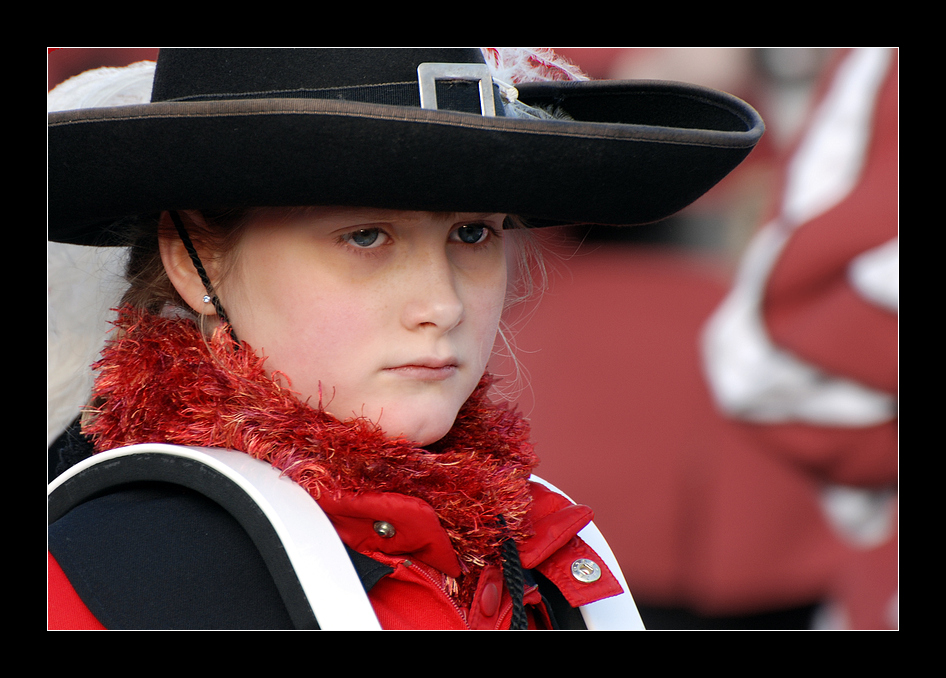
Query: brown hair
[149, 287]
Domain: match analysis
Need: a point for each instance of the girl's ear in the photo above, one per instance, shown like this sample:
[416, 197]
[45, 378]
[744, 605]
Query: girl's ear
[178, 264]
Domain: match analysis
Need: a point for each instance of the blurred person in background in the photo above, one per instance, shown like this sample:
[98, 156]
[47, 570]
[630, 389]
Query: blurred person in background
[721, 519]
[804, 350]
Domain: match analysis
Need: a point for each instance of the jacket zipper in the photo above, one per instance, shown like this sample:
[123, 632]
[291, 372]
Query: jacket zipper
[440, 586]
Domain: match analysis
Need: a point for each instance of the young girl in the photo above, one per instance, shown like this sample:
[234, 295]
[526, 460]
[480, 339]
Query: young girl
[319, 261]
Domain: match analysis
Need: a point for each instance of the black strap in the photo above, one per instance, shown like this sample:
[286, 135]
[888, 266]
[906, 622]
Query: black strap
[182, 472]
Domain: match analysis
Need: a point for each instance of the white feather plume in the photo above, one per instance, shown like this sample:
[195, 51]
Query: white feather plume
[516, 65]
[83, 283]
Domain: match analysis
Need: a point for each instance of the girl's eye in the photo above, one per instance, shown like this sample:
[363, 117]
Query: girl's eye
[472, 234]
[365, 238]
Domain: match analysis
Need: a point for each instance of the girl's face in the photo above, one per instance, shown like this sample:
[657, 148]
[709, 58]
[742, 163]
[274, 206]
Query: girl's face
[384, 314]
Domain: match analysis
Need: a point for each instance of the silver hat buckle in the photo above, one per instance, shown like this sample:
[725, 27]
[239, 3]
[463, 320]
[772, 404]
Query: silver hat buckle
[430, 72]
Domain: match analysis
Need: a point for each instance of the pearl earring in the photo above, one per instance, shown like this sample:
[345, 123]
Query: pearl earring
[207, 299]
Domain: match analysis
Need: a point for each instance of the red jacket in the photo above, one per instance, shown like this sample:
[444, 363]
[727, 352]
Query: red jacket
[419, 564]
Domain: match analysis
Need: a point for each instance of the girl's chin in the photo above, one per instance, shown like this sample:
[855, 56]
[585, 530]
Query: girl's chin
[422, 430]
[420, 435]
[422, 420]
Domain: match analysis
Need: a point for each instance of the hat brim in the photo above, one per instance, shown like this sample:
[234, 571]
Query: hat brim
[633, 153]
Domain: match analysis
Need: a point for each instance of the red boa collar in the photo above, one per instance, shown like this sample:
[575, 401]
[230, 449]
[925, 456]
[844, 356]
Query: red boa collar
[161, 381]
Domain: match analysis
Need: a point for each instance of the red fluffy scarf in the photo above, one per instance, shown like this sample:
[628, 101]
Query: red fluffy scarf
[161, 381]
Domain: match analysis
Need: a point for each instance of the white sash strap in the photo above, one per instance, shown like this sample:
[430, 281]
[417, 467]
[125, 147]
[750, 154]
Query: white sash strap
[617, 613]
[311, 544]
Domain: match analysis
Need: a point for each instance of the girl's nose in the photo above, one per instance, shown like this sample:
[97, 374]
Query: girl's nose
[433, 299]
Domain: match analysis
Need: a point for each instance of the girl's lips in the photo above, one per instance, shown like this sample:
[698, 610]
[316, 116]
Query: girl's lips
[425, 370]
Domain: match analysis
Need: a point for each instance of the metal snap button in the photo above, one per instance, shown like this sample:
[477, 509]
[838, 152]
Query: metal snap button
[586, 571]
[384, 529]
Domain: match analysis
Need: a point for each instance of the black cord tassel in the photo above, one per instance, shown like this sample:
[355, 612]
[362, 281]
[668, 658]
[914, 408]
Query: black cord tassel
[515, 582]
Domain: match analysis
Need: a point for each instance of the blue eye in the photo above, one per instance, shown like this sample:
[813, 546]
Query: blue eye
[472, 233]
[366, 237]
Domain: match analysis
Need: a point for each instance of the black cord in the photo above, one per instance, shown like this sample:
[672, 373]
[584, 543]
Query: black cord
[198, 264]
[515, 582]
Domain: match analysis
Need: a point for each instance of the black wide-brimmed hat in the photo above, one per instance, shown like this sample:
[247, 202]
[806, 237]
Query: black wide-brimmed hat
[419, 129]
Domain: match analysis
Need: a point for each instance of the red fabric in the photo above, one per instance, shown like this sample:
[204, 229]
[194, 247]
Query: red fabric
[65, 611]
[867, 595]
[418, 530]
[811, 309]
[810, 306]
[420, 594]
[415, 597]
[865, 456]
